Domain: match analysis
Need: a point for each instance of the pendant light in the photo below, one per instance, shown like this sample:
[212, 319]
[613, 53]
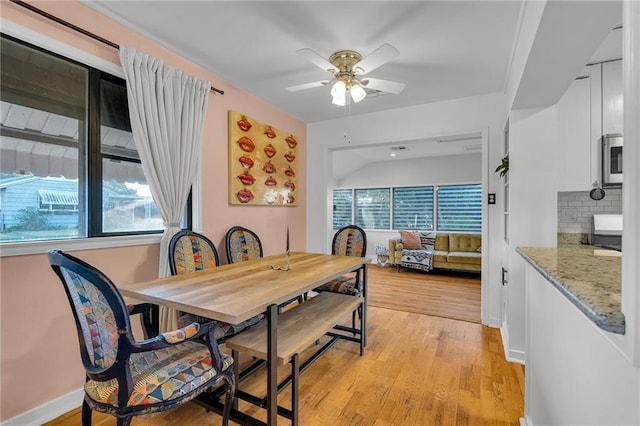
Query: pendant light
[339, 92]
[357, 93]
[340, 89]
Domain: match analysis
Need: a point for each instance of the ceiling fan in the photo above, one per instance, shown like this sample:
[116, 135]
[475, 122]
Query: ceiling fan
[348, 67]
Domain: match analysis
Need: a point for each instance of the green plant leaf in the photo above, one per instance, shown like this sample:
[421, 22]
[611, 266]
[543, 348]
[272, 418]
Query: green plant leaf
[503, 168]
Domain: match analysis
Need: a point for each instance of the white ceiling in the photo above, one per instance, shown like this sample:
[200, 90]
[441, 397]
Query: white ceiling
[448, 50]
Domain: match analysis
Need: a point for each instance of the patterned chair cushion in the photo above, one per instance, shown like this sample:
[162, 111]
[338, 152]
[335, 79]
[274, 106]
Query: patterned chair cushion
[344, 284]
[243, 246]
[96, 320]
[349, 243]
[161, 375]
[181, 334]
[192, 254]
[221, 329]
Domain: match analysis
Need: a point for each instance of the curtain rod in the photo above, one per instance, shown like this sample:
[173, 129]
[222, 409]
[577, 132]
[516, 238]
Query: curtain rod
[80, 30]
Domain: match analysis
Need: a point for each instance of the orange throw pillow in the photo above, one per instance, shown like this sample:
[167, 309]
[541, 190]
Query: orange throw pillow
[410, 240]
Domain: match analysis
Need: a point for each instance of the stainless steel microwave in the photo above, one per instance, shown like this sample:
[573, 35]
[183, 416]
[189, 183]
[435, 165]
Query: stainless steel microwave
[612, 160]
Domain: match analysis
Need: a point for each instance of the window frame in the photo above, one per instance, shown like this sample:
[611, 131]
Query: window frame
[392, 202]
[351, 218]
[354, 213]
[52, 46]
[437, 206]
[433, 206]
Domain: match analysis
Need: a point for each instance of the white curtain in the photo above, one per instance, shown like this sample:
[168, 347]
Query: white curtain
[167, 109]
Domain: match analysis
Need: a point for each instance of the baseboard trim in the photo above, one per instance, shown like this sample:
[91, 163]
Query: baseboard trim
[516, 356]
[48, 411]
[510, 355]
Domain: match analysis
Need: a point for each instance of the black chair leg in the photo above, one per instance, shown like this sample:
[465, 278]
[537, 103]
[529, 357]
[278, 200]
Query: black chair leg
[86, 414]
[124, 421]
[229, 393]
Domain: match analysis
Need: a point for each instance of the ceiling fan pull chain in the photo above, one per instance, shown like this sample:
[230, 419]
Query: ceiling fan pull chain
[347, 121]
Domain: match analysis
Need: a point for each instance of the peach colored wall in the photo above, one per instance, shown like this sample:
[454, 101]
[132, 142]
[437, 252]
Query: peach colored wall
[39, 359]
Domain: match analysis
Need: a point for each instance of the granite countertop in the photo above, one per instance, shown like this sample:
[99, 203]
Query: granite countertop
[591, 278]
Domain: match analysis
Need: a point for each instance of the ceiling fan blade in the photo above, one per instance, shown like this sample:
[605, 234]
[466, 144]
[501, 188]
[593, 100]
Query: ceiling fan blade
[383, 85]
[378, 57]
[315, 58]
[307, 85]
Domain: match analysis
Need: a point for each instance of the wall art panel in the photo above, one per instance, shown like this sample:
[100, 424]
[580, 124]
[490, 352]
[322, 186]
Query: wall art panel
[263, 163]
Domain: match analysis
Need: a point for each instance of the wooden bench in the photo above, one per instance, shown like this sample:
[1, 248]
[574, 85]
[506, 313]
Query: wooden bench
[299, 328]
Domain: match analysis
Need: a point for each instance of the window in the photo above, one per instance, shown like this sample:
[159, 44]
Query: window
[342, 207]
[373, 208]
[413, 208]
[459, 208]
[58, 201]
[69, 165]
[455, 208]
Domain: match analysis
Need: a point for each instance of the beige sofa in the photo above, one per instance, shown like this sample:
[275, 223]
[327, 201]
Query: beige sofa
[456, 251]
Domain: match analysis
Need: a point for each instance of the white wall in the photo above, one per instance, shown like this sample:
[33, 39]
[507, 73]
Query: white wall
[533, 211]
[418, 171]
[574, 374]
[484, 114]
[452, 169]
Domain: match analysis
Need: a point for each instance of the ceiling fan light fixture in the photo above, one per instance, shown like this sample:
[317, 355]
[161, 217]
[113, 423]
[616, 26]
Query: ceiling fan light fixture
[339, 89]
[357, 93]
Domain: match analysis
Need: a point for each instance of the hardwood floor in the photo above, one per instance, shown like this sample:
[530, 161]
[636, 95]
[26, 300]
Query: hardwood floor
[417, 370]
[444, 294]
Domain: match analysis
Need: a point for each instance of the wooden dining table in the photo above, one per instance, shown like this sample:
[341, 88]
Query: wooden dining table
[236, 292]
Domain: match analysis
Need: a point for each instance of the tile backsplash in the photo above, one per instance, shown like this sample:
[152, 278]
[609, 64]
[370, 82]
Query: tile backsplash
[575, 209]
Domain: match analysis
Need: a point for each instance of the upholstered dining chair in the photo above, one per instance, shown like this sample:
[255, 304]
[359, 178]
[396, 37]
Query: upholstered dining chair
[243, 244]
[126, 377]
[350, 240]
[191, 251]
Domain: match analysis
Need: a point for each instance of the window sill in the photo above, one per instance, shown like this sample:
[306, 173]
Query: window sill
[41, 247]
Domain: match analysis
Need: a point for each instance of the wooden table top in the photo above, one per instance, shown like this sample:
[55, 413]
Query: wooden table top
[236, 292]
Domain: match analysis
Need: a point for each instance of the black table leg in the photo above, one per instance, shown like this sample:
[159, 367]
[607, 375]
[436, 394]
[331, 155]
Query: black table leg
[236, 374]
[363, 320]
[272, 365]
[295, 400]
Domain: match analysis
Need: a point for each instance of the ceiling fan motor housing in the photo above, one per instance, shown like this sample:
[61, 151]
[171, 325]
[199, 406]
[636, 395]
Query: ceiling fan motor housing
[344, 61]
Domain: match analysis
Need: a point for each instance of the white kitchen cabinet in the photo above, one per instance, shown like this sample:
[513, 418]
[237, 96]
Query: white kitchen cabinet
[612, 98]
[590, 108]
[574, 137]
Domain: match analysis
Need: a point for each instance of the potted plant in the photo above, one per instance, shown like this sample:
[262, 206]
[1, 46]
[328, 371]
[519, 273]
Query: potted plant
[503, 168]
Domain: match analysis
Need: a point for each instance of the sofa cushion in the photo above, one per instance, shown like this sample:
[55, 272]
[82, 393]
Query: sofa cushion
[428, 240]
[464, 242]
[410, 240]
[465, 257]
[442, 241]
[440, 256]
